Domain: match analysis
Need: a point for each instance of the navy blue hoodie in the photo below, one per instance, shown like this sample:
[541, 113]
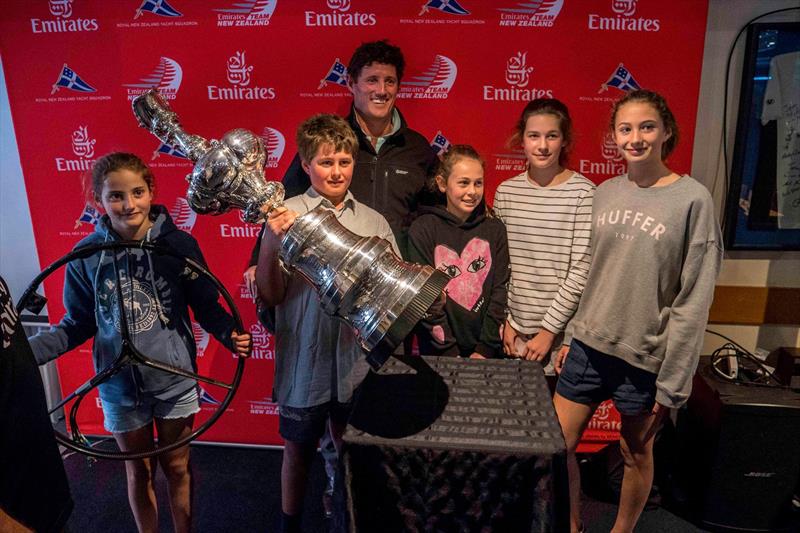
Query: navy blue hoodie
[475, 254]
[158, 318]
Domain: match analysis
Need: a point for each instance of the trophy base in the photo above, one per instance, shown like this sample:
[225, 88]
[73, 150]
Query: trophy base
[413, 312]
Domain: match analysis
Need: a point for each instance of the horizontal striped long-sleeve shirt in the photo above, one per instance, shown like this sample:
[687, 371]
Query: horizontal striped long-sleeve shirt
[549, 241]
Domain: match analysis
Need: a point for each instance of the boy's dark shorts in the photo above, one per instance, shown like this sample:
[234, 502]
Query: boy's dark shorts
[307, 424]
[590, 376]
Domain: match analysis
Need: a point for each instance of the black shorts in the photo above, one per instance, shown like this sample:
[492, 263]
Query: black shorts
[307, 424]
[590, 376]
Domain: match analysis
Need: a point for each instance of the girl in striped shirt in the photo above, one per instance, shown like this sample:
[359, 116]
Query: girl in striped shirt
[547, 211]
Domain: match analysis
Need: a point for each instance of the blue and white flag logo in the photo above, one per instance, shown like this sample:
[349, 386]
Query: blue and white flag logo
[70, 80]
[440, 143]
[166, 149]
[205, 397]
[90, 215]
[157, 7]
[337, 74]
[445, 6]
[622, 79]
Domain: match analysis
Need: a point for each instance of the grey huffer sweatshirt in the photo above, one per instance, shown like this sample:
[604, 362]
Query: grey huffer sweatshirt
[656, 253]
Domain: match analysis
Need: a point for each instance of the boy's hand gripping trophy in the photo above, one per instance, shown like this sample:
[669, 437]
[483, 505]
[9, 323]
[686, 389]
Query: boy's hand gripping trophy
[359, 280]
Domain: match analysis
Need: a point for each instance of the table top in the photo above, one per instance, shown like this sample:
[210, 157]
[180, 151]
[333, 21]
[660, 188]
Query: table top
[489, 405]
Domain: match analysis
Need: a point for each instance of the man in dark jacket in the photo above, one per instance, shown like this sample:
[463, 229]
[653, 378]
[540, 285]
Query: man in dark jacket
[393, 160]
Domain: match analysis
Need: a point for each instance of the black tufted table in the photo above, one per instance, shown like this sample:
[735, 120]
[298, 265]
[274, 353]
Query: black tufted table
[449, 444]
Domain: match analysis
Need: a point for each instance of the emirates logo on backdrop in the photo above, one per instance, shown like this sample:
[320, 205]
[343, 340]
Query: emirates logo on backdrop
[339, 5]
[261, 342]
[611, 164]
[623, 19]
[339, 15]
[238, 74]
[63, 21]
[516, 72]
[603, 420]
[244, 230]
[82, 145]
[517, 76]
[626, 8]
[610, 150]
[60, 8]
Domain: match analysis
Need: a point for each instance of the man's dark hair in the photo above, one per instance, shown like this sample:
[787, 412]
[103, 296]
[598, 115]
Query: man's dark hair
[376, 52]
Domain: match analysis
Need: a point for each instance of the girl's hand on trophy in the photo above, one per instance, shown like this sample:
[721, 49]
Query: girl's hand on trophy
[280, 220]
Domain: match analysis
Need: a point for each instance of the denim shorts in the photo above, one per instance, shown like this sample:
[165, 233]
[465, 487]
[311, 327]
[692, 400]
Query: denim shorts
[590, 376]
[121, 419]
[307, 424]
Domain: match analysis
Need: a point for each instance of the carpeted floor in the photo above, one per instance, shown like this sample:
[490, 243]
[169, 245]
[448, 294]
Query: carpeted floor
[238, 489]
[235, 489]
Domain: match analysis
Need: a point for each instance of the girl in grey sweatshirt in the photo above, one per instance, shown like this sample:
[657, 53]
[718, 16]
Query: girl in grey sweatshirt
[638, 330]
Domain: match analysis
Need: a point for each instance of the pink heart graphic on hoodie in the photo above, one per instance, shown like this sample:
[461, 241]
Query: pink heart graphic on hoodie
[468, 270]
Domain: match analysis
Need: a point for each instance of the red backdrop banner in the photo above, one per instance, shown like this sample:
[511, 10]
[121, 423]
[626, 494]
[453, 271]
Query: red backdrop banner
[73, 66]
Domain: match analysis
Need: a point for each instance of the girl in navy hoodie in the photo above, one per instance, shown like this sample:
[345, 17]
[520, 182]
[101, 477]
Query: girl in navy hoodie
[161, 289]
[467, 242]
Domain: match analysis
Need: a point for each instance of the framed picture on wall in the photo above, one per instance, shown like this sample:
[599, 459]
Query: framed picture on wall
[763, 204]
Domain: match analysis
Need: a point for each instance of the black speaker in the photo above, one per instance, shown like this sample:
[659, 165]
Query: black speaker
[745, 452]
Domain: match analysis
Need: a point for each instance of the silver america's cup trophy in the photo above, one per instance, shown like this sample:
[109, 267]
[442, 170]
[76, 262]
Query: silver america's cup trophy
[227, 174]
[360, 280]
